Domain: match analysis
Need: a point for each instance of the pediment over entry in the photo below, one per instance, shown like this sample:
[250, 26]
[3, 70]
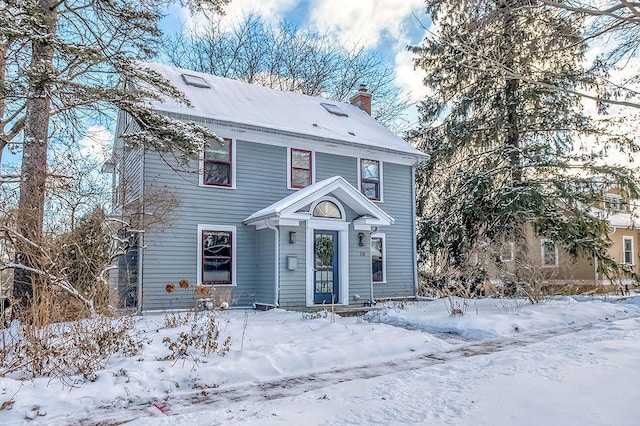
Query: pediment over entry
[293, 209]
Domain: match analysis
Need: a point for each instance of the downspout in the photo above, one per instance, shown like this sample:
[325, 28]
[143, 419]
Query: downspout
[414, 231]
[141, 245]
[276, 296]
[373, 231]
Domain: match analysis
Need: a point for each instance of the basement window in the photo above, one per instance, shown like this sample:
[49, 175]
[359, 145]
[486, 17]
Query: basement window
[195, 81]
[334, 109]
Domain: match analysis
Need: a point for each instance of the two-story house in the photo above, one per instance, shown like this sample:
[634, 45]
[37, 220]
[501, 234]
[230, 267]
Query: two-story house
[550, 264]
[303, 202]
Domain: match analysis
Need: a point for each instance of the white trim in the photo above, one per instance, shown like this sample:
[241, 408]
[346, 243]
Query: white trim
[288, 207]
[555, 247]
[627, 238]
[510, 244]
[381, 200]
[343, 256]
[234, 161]
[313, 166]
[234, 249]
[383, 237]
[274, 137]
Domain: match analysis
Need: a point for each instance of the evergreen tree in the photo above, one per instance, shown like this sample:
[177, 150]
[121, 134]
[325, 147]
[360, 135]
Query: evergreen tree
[501, 128]
[64, 61]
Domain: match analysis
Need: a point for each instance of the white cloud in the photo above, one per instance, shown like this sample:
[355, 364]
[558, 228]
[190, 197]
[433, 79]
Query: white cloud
[96, 143]
[362, 22]
[269, 10]
[408, 78]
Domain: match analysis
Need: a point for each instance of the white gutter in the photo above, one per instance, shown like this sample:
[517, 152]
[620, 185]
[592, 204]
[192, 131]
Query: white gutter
[276, 230]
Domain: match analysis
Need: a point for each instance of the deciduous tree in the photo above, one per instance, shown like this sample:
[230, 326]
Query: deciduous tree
[289, 58]
[63, 61]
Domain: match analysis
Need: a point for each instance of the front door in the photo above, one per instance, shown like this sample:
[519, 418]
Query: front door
[326, 269]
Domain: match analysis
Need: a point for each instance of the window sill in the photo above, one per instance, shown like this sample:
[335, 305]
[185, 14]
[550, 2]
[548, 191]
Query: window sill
[216, 186]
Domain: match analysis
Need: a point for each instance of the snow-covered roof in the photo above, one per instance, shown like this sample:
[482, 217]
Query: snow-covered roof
[238, 102]
[289, 206]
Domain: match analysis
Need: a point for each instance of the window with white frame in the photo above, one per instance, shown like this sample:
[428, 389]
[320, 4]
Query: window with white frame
[218, 163]
[300, 168]
[614, 203]
[216, 255]
[378, 258]
[370, 178]
[627, 250]
[506, 252]
[549, 252]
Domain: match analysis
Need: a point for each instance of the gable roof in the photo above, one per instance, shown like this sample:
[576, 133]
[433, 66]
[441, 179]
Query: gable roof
[238, 102]
[289, 207]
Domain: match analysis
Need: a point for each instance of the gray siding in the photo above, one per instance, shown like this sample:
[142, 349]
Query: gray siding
[400, 260]
[261, 179]
[292, 283]
[127, 188]
[266, 267]
[128, 169]
[329, 165]
[171, 253]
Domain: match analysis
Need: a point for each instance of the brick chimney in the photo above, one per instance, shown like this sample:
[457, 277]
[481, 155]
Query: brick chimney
[362, 99]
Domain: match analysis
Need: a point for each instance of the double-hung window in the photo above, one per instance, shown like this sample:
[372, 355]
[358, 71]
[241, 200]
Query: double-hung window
[549, 254]
[378, 255]
[371, 179]
[506, 252]
[627, 250]
[218, 163]
[216, 255]
[300, 168]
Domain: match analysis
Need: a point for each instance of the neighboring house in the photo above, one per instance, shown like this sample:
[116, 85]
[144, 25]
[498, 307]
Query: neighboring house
[553, 265]
[304, 202]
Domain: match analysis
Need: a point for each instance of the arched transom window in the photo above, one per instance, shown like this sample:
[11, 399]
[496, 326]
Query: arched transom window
[327, 209]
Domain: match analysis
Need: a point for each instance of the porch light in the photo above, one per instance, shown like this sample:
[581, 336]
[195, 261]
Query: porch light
[292, 237]
[361, 239]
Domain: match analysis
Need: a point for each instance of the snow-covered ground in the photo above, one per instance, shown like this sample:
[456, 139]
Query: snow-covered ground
[567, 361]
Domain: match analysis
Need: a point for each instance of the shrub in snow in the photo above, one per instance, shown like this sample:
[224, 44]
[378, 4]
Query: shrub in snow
[202, 339]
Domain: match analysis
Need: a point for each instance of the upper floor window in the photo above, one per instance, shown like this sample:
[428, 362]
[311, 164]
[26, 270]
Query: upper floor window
[627, 250]
[218, 163]
[614, 203]
[371, 179]
[300, 168]
[549, 253]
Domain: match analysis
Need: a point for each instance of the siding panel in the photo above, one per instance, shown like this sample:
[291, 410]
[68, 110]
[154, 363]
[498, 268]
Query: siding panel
[261, 179]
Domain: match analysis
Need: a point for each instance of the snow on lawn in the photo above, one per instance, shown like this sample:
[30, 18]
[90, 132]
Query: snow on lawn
[587, 374]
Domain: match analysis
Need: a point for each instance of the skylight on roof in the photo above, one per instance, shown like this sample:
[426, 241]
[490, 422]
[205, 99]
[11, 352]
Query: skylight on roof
[334, 109]
[194, 80]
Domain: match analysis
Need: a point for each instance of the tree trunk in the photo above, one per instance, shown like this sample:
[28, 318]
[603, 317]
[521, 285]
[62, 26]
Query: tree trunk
[34, 156]
[518, 231]
[4, 47]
